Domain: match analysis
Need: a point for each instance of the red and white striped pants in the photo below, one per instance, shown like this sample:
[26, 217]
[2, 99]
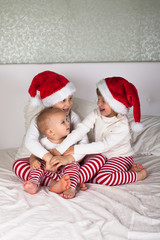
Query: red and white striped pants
[113, 172]
[95, 169]
[21, 168]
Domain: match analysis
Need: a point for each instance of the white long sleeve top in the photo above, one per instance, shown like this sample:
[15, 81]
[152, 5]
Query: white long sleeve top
[112, 136]
[33, 136]
[47, 144]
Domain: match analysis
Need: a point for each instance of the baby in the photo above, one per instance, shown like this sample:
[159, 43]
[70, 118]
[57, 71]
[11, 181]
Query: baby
[53, 124]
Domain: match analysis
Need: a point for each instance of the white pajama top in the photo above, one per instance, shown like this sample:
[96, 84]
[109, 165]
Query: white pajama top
[112, 136]
[33, 136]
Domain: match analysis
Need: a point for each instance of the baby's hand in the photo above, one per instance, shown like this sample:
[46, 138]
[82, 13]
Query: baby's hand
[35, 164]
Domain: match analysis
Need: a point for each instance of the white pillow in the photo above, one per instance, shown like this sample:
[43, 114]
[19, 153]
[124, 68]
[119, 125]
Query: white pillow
[80, 106]
[148, 141]
[29, 113]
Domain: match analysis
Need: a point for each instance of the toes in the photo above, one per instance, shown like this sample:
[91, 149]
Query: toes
[61, 195]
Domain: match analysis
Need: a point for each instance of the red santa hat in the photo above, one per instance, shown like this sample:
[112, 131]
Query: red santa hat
[121, 95]
[52, 87]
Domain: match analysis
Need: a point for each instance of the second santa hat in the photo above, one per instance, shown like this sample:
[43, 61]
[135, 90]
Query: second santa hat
[53, 88]
[121, 95]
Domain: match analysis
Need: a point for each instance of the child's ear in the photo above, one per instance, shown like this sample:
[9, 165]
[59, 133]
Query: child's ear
[50, 132]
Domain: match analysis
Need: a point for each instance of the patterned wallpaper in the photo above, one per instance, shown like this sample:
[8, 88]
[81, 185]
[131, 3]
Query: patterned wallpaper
[51, 31]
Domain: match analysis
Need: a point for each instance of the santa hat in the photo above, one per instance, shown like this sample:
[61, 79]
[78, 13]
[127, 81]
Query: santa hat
[52, 87]
[121, 95]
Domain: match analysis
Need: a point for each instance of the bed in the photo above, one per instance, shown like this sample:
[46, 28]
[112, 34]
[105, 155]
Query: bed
[105, 213]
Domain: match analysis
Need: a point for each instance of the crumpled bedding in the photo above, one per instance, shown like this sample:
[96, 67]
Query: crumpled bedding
[130, 211]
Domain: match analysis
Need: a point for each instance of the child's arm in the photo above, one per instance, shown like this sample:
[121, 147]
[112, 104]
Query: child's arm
[75, 120]
[33, 144]
[77, 134]
[70, 150]
[115, 139]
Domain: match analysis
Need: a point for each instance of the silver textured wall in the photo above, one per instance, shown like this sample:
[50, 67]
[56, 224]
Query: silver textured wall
[51, 31]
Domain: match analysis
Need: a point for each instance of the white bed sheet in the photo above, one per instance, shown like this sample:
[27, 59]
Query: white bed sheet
[113, 213]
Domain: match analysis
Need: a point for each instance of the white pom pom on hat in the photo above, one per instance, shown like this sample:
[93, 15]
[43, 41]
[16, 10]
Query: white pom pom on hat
[52, 87]
[122, 95]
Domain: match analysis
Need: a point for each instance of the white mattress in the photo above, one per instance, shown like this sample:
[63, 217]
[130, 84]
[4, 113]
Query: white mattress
[113, 213]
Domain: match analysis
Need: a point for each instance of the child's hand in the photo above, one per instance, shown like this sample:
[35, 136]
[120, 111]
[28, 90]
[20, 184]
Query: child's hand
[69, 151]
[51, 168]
[35, 164]
[59, 161]
[51, 165]
[54, 152]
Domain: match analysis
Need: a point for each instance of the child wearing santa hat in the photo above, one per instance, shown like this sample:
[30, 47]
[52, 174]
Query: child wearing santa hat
[112, 134]
[55, 91]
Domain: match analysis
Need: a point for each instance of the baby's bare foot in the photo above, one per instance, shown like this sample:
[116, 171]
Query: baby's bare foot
[60, 186]
[30, 187]
[82, 187]
[136, 167]
[141, 174]
[68, 194]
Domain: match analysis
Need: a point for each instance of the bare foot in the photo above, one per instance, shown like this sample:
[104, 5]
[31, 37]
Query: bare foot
[141, 174]
[30, 187]
[136, 167]
[62, 185]
[81, 186]
[68, 194]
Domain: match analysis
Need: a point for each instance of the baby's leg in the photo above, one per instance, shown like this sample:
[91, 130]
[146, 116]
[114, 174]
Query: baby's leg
[48, 177]
[72, 170]
[92, 164]
[32, 185]
[21, 168]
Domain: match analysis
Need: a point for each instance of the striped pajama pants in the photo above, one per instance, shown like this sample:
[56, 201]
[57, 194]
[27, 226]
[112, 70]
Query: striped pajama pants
[95, 169]
[21, 168]
[114, 171]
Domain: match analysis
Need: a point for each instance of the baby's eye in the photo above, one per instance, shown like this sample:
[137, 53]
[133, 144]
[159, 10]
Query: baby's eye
[63, 122]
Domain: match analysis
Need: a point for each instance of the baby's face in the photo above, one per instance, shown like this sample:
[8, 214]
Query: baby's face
[65, 105]
[60, 125]
[104, 107]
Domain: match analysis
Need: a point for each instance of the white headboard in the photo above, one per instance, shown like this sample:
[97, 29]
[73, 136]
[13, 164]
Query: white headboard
[15, 81]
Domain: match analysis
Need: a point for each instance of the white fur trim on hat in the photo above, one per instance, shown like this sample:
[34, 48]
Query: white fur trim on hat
[136, 127]
[59, 96]
[35, 101]
[117, 106]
